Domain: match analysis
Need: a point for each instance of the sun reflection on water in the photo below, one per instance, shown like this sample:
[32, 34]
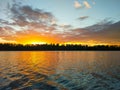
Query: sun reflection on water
[56, 69]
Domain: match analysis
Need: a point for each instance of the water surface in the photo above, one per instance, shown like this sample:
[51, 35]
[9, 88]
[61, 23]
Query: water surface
[60, 70]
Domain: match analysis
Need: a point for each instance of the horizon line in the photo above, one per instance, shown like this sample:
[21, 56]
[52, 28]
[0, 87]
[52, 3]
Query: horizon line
[62, 44]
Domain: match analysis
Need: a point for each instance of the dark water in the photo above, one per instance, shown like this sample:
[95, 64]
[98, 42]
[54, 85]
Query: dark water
[60, 70]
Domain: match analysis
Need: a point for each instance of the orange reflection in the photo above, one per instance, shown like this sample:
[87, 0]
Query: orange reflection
[48, 62]
[43, 62]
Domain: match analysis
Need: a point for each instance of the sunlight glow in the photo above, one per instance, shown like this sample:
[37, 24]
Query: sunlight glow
[37, 43]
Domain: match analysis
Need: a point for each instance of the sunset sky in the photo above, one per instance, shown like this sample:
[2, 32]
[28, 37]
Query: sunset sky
[60, 21]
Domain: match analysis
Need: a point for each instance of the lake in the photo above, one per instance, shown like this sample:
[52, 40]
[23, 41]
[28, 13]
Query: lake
[60, 70]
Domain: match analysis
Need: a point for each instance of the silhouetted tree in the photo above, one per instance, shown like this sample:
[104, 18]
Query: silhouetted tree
[67, 47]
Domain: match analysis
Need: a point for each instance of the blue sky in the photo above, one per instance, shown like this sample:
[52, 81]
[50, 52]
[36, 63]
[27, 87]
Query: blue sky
[66, 13]
[60, 20]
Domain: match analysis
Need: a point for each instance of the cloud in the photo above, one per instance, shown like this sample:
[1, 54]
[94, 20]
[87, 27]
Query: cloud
[77, 4]
[30, 24]
[65, 26]
[53, 22]
[6, 41]
[108, 33]
[23, 15]
[6, 31]
[83, 17]
[100, 25]
[6, 34]
[26, 16]
[86, 4]
[24, 21]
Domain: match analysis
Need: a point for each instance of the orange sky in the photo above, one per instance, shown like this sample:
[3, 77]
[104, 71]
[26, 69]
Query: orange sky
[27, 24]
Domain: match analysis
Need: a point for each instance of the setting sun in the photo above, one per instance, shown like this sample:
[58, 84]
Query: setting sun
[60, 44]
[38, 24]
[38, 43]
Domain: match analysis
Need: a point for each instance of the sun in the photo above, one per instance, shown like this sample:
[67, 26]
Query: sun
[34, 43]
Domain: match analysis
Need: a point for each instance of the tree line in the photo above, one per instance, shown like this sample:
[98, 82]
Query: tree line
[54, 47]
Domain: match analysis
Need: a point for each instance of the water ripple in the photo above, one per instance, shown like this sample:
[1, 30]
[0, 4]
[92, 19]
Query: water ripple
[60, 71]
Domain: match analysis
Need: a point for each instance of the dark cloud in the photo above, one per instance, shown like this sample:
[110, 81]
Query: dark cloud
[25, 20]
[111, 32]
[107, 32]
[83, 17]
[27, 23]
[65, 26]
[22, 16]
[102, 25]
[26, 14]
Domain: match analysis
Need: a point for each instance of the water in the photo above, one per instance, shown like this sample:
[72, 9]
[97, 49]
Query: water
[60, 70]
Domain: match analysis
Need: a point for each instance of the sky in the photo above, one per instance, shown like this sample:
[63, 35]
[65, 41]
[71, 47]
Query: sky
[60, 21]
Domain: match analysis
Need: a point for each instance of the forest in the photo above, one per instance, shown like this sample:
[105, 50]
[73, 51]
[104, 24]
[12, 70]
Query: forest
[56, 47]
